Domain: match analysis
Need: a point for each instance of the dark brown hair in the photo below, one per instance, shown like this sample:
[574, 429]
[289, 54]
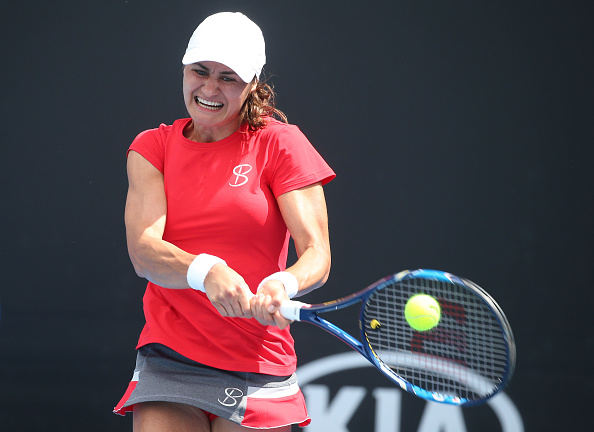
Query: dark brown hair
[260, 106]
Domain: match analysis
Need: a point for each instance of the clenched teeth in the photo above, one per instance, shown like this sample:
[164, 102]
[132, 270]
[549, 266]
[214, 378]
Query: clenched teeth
[208, 104]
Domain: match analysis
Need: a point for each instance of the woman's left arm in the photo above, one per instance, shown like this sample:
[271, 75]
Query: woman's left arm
[305, 214]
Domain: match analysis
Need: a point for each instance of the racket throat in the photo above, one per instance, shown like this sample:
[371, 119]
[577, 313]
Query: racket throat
[340, 334]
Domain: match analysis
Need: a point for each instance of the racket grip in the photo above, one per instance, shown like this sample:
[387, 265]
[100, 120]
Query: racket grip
[291, 309]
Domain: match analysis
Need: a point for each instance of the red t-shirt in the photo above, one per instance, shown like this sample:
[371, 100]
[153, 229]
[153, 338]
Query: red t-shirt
[221, 200]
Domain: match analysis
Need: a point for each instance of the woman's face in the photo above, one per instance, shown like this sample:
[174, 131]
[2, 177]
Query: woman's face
[214, 95]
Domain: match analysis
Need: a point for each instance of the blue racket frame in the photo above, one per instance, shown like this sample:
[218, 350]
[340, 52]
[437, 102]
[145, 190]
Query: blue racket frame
[310, 314]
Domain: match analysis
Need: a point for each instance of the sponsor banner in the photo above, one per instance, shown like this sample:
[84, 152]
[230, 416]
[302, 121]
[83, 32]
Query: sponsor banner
[345, 393]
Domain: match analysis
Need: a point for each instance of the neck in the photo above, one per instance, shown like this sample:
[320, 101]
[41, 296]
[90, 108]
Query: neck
[206, 134]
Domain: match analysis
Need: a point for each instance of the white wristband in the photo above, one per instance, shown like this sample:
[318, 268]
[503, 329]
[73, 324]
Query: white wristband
[199, 269]
[287, 279]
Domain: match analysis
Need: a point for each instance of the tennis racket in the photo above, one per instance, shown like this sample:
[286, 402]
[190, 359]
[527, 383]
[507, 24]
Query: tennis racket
[465, 360]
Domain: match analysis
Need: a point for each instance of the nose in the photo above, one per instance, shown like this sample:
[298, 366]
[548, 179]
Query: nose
[210, 87]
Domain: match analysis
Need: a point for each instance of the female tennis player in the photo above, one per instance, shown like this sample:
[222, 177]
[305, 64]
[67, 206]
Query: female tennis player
[212, 202]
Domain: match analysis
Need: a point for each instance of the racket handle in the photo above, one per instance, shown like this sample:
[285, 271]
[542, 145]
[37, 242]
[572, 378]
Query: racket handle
[290, 309]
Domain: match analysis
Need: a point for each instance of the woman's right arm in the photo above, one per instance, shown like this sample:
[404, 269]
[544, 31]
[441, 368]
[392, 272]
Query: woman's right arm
[146, 210]
[162, 262]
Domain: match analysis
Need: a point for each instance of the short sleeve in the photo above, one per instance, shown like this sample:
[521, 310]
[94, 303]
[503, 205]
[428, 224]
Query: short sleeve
[298, 163]
[151, 145]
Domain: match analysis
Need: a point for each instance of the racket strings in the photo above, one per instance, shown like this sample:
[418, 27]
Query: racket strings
[464, 356]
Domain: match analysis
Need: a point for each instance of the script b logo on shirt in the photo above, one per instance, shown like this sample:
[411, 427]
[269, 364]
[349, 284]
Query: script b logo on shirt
[240, 172]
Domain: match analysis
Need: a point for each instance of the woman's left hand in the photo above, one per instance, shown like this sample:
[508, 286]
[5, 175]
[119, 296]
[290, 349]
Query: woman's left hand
[266, 303]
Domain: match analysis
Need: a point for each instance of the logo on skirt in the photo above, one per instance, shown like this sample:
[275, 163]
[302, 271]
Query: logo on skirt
[233, 395]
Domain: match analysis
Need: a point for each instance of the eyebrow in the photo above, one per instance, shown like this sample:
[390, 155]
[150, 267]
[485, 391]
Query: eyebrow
[229, 72]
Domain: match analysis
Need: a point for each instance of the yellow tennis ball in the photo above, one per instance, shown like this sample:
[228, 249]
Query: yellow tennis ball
[422, 312]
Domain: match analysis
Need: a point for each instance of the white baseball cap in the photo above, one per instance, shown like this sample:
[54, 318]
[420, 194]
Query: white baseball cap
[229, 38]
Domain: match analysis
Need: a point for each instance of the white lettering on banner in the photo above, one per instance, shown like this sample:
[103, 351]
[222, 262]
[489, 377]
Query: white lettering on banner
[333, 416]
[442, 418]
[387, 417]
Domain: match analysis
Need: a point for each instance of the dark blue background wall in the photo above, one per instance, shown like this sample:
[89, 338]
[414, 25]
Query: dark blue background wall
[461, 133]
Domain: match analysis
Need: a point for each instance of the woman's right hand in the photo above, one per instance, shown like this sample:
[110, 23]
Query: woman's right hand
[227, 291]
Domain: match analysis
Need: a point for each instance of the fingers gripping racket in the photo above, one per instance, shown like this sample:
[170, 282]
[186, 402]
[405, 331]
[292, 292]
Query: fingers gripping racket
[464, 360]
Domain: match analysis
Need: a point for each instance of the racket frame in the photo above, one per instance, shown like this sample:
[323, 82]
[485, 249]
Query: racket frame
[304, 312]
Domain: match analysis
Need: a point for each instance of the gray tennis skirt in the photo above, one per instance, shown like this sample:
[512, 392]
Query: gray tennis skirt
[250, 399]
